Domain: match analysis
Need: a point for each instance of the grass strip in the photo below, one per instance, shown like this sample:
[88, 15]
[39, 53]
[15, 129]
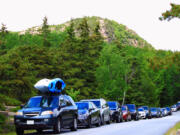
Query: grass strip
[174, 130]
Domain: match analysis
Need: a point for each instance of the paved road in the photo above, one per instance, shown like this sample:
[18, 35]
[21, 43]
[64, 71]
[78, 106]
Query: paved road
[156, 126]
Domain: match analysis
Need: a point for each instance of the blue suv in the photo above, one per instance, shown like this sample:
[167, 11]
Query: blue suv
[47, 112]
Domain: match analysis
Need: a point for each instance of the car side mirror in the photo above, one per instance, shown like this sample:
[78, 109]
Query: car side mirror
[104, 106]
[21, 106]
[91, 109]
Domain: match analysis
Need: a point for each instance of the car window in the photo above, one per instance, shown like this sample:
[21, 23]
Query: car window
[97, 103]
[68, 101]
[45, 101]
[82, 106]
[90, 106]
[94, 106]
[62, 101]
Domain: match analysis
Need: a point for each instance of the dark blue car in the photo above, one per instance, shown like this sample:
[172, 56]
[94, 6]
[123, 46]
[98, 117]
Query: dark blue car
[47, 112]
[115, 111]
[134, 112]
[88, 114]
[155, 112]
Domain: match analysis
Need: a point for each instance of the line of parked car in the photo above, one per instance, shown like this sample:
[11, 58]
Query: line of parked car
[99, 112]
[60, 111]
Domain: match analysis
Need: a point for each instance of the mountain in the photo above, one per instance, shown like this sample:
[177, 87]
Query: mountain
[109, 29]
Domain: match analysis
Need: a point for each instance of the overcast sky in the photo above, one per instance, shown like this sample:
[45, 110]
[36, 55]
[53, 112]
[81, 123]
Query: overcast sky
[139, 15]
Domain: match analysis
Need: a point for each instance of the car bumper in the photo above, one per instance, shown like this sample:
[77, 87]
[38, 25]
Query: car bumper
[143, 116]
[154, 115]
[36, 123]
[114, 116]
[133, 115]
[83, 122]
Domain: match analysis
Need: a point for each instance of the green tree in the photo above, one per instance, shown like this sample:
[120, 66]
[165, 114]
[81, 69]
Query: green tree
[45, 32]
[174, 12]
[3, 33]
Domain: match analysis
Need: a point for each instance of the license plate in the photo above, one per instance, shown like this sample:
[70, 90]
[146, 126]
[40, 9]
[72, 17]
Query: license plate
[30, 122]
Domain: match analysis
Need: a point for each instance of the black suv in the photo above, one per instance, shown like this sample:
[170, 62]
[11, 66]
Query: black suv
[134, 112]
[115, 110]
[47, 112]
[104, 109]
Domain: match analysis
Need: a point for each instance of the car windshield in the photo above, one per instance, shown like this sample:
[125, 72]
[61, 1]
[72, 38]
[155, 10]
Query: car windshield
[153, 109]
[45, 101]
[131, 106]
[145, 107]
[112, 104]
[123, 108]
[168, 108]
[97, 103]
[82, 106]
[140, 109]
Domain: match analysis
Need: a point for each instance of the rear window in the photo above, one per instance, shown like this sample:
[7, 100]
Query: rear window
[140, 109]
[97, 103]
[123, 108]
[112, 104]
[153, 109]
[145, 107]
[131, 106]
[82, 106]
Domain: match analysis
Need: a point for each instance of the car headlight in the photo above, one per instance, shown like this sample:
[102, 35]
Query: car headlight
[46, 113]
[19, 113]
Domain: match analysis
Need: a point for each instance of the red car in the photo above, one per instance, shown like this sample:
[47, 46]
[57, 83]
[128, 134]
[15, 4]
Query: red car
[126, 113]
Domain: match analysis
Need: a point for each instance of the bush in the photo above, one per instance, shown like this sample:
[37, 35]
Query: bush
[2, 119]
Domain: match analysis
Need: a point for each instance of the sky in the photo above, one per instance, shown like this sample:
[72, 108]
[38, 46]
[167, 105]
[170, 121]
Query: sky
[138, 15]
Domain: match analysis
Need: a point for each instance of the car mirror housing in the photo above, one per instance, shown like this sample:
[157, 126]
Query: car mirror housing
[21, 106]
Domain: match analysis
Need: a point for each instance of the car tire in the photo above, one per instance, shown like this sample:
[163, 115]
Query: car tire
[136, 118]
[57, 127]
[109, 121]
[19, 131]
[102, 120]
[89, 123]
[74, 127]
[99, 122]
[118, 119]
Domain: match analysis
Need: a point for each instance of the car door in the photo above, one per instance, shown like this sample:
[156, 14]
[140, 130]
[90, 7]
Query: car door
[63, 110]
[97, 112]
[92, 112]
[106, 110]
[69, 110]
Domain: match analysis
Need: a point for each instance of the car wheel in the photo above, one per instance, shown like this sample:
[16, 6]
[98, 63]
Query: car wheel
[102, 120]
[19, 131]
[137, 118]
[89, 123]
[118, 120]
[74, 128]
[130, 118]
[109, 121]
[57, 127]
[99, 122]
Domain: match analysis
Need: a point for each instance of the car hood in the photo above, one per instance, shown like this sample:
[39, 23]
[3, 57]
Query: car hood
[37, 109]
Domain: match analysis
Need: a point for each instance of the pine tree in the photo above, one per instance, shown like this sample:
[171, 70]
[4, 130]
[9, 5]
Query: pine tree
[3, 33]
[45, 32]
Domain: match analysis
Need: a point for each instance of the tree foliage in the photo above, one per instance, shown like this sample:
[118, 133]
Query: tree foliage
[174, 12]
[91, 67]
